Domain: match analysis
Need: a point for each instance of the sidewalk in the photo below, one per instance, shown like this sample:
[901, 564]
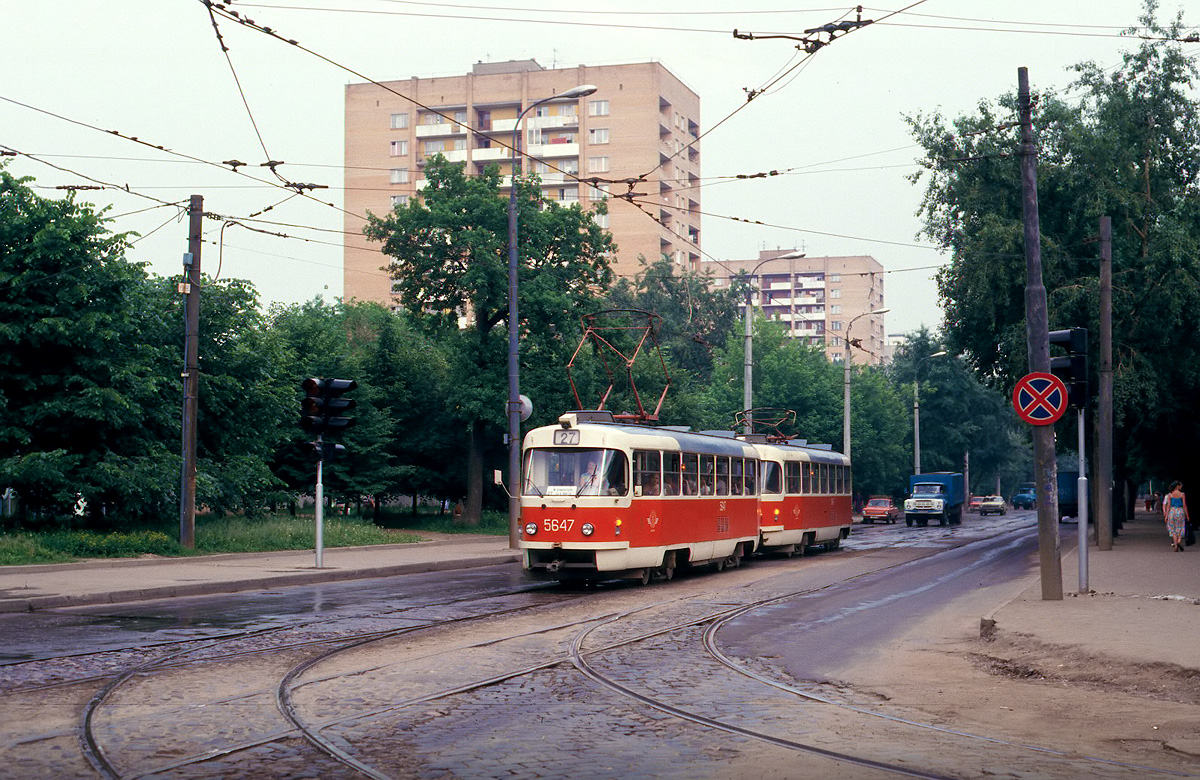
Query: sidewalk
[1143, 602]
[29, 588]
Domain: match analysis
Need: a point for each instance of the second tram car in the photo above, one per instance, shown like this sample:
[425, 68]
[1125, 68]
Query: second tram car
[603, 500]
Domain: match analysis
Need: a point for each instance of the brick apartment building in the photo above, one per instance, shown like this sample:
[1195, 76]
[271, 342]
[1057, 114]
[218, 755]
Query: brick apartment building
[639, 122]
[817, 298]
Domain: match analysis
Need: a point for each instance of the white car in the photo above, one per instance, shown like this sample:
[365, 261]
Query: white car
[993, 505]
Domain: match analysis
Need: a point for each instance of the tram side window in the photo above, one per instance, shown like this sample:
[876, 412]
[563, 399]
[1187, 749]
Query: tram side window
[707, 466]
[823, 471]
[772, 477]
[722, 476]
[810, 477]
[750, 477]
[671, 464]
[646, 479]
[793, 478]
[691, 473]
[843, 479]
[736, 477]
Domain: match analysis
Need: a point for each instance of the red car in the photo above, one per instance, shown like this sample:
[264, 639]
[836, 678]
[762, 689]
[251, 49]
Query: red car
[880, 508]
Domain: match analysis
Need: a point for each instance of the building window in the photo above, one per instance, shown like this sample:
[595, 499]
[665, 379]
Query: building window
[835, 277]
[597, 108]
[399, 121]
[458, 144]
[601, 220]
[598, 135]
[399, 175]
[836, 325]
[835, 293]
[399, 148]
[570, 167]
[835, 309]
[433, 147]
[432, 119]
[598, 165]
[399, 200]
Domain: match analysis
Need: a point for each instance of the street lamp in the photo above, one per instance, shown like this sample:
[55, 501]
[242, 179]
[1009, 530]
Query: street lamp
[846, 384]
[514, 391]
[917, 411]
[748, 365]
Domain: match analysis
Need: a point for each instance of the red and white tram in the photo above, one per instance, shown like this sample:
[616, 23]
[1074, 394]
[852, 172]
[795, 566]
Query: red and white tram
[605, 500]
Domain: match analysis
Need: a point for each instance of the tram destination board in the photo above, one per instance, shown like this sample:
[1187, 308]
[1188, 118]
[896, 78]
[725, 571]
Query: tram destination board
[1040, 399]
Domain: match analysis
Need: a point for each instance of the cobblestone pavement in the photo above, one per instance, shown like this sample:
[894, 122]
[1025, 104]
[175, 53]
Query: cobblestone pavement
[489, 690]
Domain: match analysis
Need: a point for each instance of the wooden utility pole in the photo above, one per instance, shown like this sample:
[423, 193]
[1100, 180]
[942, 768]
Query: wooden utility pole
[1104, 438]
[1037, 328]
[190, 287]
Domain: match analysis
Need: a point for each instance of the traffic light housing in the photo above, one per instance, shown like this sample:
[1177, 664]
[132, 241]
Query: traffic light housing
[323, 450]
[1072, 369]
[322, 407]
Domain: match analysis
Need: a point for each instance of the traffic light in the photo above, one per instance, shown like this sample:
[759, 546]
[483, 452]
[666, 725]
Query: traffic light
[322, 407]
[1072, 369]
[323, 450]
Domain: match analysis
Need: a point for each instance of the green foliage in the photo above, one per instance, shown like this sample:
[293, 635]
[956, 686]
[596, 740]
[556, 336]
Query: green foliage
[1127, 146]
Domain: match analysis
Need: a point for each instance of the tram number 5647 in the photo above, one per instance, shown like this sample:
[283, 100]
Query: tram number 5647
[551, 524]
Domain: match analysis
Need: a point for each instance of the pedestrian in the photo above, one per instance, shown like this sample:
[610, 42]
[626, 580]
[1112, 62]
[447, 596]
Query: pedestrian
[1175, 513]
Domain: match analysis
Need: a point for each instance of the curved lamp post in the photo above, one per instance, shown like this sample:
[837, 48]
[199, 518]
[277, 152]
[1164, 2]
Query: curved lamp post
[748, 365]
[514, 391]
[846, 383]
[917, 411]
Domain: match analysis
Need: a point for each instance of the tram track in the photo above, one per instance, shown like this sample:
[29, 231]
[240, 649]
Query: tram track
[345, 706]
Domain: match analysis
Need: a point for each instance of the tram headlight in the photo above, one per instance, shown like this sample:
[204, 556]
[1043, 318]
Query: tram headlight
[588, 529]
[530, 529]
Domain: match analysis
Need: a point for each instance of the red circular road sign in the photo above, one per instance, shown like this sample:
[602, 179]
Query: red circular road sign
[1040, 399]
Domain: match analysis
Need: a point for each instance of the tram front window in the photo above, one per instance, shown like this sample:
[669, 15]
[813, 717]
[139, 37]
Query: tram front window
[576, 472]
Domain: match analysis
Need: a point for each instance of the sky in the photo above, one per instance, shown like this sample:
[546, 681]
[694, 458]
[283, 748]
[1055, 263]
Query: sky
[835, 127]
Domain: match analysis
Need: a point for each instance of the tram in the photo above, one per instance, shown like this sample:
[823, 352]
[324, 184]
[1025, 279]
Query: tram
[603, 499]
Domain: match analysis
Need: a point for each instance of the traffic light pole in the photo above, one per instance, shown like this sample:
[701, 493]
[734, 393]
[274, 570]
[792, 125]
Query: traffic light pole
[1081, 491]
[191, 371]
[320, 496]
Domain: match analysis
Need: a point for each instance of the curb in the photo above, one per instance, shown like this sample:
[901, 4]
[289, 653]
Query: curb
[121, 563]
[35, 603]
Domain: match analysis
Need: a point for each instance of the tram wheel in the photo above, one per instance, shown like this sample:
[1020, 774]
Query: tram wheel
[720, 565]
[645, 578]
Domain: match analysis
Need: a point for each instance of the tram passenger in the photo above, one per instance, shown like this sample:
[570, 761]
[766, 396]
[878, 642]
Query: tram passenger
[671, 483]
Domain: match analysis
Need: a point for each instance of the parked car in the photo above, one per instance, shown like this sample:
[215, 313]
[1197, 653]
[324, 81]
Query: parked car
[993, 505]
[880, 508]
[973, 505]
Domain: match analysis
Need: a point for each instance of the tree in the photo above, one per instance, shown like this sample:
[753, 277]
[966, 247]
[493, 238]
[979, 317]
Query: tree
[81, 375]
[449, 252]
[1128, 148]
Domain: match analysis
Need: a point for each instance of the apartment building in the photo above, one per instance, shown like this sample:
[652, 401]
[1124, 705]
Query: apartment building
[821, 300]
[642, 124]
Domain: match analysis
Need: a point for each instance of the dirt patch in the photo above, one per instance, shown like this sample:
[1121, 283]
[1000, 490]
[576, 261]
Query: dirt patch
[1023, 657]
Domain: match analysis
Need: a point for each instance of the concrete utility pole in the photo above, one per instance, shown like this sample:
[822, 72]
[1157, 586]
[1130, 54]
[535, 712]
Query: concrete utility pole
[1104, 425]
[1037, 328]
[190, 287]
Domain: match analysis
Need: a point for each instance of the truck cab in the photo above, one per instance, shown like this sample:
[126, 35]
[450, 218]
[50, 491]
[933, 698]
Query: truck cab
[937, 496]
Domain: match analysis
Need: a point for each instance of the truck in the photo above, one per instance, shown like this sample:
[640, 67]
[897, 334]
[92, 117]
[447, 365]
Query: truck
[1068, 495]
[1025, 496]
[935, 496]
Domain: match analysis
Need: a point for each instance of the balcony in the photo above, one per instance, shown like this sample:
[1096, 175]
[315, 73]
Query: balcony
[491, 153]
[434, 131]
[548, 151]
[551, 122]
